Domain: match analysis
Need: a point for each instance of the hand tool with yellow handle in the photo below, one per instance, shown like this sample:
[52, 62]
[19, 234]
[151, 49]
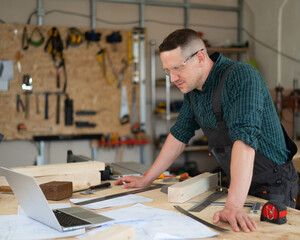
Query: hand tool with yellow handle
[19, 57]
[182, 176]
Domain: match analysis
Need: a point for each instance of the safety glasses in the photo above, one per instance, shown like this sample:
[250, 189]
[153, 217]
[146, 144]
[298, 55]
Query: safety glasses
[179, 67]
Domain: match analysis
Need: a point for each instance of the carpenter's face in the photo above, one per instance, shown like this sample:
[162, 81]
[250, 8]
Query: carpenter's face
[184, 71]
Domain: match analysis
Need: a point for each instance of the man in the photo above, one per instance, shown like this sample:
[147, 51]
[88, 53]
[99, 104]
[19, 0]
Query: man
[231, 103]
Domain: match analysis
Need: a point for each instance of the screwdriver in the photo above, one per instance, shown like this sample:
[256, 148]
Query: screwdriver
[103, 185]
[182, 176]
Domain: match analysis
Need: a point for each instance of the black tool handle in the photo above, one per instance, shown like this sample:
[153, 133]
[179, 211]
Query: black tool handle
[102, 185]
[46, 105]
[86, 112]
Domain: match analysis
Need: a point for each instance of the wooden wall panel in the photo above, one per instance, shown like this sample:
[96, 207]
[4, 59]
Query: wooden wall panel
[86, 85]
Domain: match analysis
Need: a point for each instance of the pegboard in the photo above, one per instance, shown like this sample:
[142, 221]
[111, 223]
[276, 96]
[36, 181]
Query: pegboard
[86, 85]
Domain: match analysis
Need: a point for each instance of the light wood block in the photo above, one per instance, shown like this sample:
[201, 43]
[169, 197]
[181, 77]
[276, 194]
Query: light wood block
[65, 168]
[115, 232]
[81, 174]
[184, 191]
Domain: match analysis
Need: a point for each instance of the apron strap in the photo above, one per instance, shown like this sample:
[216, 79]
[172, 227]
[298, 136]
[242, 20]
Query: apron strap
[217, 100]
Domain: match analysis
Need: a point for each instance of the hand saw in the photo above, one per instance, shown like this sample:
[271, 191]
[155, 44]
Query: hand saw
[207, 201]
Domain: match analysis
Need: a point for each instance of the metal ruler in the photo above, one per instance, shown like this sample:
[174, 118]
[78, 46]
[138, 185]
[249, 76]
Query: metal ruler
[180, 209]
[207, 201]
[120, 194]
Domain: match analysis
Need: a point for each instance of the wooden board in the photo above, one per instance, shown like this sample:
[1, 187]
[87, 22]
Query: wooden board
[183, 191]
[63, 168]
[86, 86]
[81, 174]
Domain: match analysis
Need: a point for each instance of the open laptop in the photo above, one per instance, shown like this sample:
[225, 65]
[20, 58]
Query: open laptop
[35, 205]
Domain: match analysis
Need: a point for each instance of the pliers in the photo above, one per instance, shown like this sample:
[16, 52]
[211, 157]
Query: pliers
[20, 102]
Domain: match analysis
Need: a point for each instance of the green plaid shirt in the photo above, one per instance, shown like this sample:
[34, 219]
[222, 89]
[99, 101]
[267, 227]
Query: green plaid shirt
[248, 110]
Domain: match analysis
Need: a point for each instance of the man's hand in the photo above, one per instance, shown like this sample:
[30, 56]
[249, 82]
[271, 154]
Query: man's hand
[235, 218]
[132, 182]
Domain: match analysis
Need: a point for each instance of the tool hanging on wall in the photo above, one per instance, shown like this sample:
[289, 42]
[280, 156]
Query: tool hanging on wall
[102, 56]
[129, 48]
[68, 111]
[19, 56]
[27, 82]
[127, 62]
[92, 36]
[90, 112]
[25, 39]
[74, 38]
[122, 72]
[1, 68]
[58, 94]
[54, 46]
[83, 124]
[27, 87]
[36, 39]
[124, 112]
[46, 105]
[20, 103]
[114, 38]
[135, 57]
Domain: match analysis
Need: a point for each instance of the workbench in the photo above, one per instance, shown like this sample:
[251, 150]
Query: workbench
[290, 230]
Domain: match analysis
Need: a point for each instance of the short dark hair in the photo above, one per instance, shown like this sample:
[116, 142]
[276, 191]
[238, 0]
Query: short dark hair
[179, 38]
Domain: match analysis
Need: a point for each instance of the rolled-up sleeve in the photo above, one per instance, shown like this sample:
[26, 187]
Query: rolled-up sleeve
[246, 106]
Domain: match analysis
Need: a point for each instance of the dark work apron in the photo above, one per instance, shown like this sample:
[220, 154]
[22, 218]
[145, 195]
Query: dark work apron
[269, 181]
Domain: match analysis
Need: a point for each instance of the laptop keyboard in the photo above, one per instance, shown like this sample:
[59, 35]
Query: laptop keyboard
[67, 220]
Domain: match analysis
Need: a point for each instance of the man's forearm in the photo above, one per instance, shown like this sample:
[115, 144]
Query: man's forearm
[241, 170]
[171, 149]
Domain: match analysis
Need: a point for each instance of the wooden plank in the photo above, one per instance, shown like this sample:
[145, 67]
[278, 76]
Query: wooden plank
[81, 174]
[183, 191]
[79, 180]
[59, 169]
[115, 232]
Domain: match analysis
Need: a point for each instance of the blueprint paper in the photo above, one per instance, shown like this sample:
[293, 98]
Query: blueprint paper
[23, 227]
[157, 224]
